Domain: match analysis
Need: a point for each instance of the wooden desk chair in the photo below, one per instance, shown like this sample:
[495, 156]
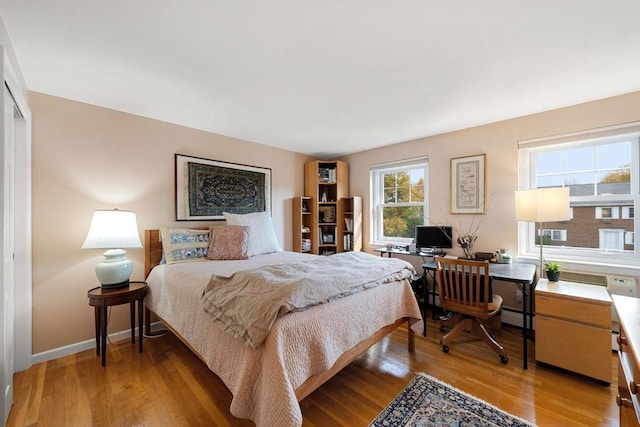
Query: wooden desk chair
[465, 289]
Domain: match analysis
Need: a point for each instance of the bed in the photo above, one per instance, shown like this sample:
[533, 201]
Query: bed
[302, 350]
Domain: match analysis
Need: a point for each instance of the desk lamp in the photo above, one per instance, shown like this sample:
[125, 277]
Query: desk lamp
[542, 205]
[113, 230]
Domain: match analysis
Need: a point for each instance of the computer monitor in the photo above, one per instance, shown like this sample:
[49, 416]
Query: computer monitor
[433, 238]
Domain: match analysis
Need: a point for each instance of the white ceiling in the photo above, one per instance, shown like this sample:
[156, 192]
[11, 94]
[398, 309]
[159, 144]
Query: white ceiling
[327, 78]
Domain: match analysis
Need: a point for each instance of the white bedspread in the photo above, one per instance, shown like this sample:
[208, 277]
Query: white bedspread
[263, 380]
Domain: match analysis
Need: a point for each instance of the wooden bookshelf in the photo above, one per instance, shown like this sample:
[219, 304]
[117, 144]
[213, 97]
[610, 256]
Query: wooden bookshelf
[326, 183]
[350, 232]
[303, 223]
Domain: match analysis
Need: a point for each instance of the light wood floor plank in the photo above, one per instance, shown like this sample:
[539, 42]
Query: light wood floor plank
[169, 385]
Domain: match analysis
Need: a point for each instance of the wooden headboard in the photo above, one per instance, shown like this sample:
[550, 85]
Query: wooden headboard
[152, 250]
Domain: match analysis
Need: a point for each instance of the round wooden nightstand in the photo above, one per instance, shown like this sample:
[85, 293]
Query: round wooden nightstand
[103, 298]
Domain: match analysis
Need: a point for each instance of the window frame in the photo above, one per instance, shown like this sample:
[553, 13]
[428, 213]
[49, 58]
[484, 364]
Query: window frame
[376, 185]
[527, 180]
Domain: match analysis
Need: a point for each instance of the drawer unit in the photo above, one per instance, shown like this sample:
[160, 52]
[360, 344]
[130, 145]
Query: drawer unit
[628, 399]
[573, 328]
[573, 346]
[583, 311]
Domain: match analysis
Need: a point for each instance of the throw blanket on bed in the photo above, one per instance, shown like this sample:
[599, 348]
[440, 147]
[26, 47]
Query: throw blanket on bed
[249, 301]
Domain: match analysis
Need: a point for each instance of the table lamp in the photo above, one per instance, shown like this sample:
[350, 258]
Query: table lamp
[113, 230]
[542, 205]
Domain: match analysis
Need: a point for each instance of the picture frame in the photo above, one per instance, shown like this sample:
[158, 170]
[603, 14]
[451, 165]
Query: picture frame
[206, 188]
[327, 214]
[468, 185]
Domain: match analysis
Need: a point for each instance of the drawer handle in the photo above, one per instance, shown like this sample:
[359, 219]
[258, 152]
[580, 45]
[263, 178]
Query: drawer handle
[633, 387]
[623, 401]
[621, 340]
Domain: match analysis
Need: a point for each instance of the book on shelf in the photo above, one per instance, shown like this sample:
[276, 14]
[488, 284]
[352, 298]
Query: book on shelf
[327, 175]
[348, 242]
[348, 224]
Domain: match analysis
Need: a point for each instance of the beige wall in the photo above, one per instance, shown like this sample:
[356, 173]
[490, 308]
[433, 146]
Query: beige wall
[499, 141]
[87, 158]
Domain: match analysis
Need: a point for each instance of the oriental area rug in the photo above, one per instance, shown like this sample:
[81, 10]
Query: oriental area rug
[427, 401]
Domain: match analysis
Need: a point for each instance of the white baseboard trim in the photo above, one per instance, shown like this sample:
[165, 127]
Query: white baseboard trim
[508, 317]
[86, 345]
[511, 318]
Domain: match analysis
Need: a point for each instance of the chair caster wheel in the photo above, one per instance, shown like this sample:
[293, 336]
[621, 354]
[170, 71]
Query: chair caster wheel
[445, 348]
[504, 360]
[442, 328]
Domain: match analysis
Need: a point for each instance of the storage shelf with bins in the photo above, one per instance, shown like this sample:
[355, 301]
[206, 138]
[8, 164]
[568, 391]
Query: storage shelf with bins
[303, 222]
[326, 182]
[350, 211]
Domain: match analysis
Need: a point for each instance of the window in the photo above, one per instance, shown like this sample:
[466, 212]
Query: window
[627, 212]
[555, 235]
[610, 212]
[602, 170]
[629, 238]
[399, 202]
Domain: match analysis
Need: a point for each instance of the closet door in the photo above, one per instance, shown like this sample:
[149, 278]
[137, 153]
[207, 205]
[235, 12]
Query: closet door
[7, 341]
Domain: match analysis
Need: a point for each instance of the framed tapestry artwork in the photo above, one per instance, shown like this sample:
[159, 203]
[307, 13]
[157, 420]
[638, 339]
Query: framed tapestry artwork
[468, 185]
[207, 188]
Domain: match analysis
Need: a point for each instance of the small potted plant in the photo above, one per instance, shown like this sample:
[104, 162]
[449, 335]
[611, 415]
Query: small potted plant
[553, 270]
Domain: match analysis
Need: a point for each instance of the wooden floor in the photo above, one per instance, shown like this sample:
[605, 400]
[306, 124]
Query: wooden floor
[168, 385]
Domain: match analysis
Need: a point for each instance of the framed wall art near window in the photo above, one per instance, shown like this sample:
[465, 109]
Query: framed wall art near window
[207, 188]
[468, 185]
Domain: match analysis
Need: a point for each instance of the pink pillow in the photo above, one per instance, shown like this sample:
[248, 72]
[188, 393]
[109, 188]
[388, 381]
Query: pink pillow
[228, 242]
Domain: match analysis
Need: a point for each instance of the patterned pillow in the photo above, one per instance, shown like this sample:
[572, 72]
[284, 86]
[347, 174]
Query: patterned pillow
[228, 242]
[184, 244]
[262, 236]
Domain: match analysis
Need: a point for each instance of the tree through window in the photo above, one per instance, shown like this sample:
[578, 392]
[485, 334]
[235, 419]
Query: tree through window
[399, 203]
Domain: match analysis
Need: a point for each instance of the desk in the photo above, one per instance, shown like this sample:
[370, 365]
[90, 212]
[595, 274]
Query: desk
[523, 276]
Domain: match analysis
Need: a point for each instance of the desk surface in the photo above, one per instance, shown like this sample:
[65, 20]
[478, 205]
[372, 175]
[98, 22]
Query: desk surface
[515, 272]
[401, 252]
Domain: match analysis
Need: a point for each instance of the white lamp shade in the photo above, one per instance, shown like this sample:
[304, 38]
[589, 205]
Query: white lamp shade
[111, 229]
[543, 205]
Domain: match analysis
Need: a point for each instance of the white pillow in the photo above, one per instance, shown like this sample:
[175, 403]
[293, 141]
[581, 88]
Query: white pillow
[262, 235]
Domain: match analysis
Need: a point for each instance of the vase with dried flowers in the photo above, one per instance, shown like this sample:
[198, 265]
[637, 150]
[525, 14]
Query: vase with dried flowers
[466, 242]
[466, 228]
[468, 234]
